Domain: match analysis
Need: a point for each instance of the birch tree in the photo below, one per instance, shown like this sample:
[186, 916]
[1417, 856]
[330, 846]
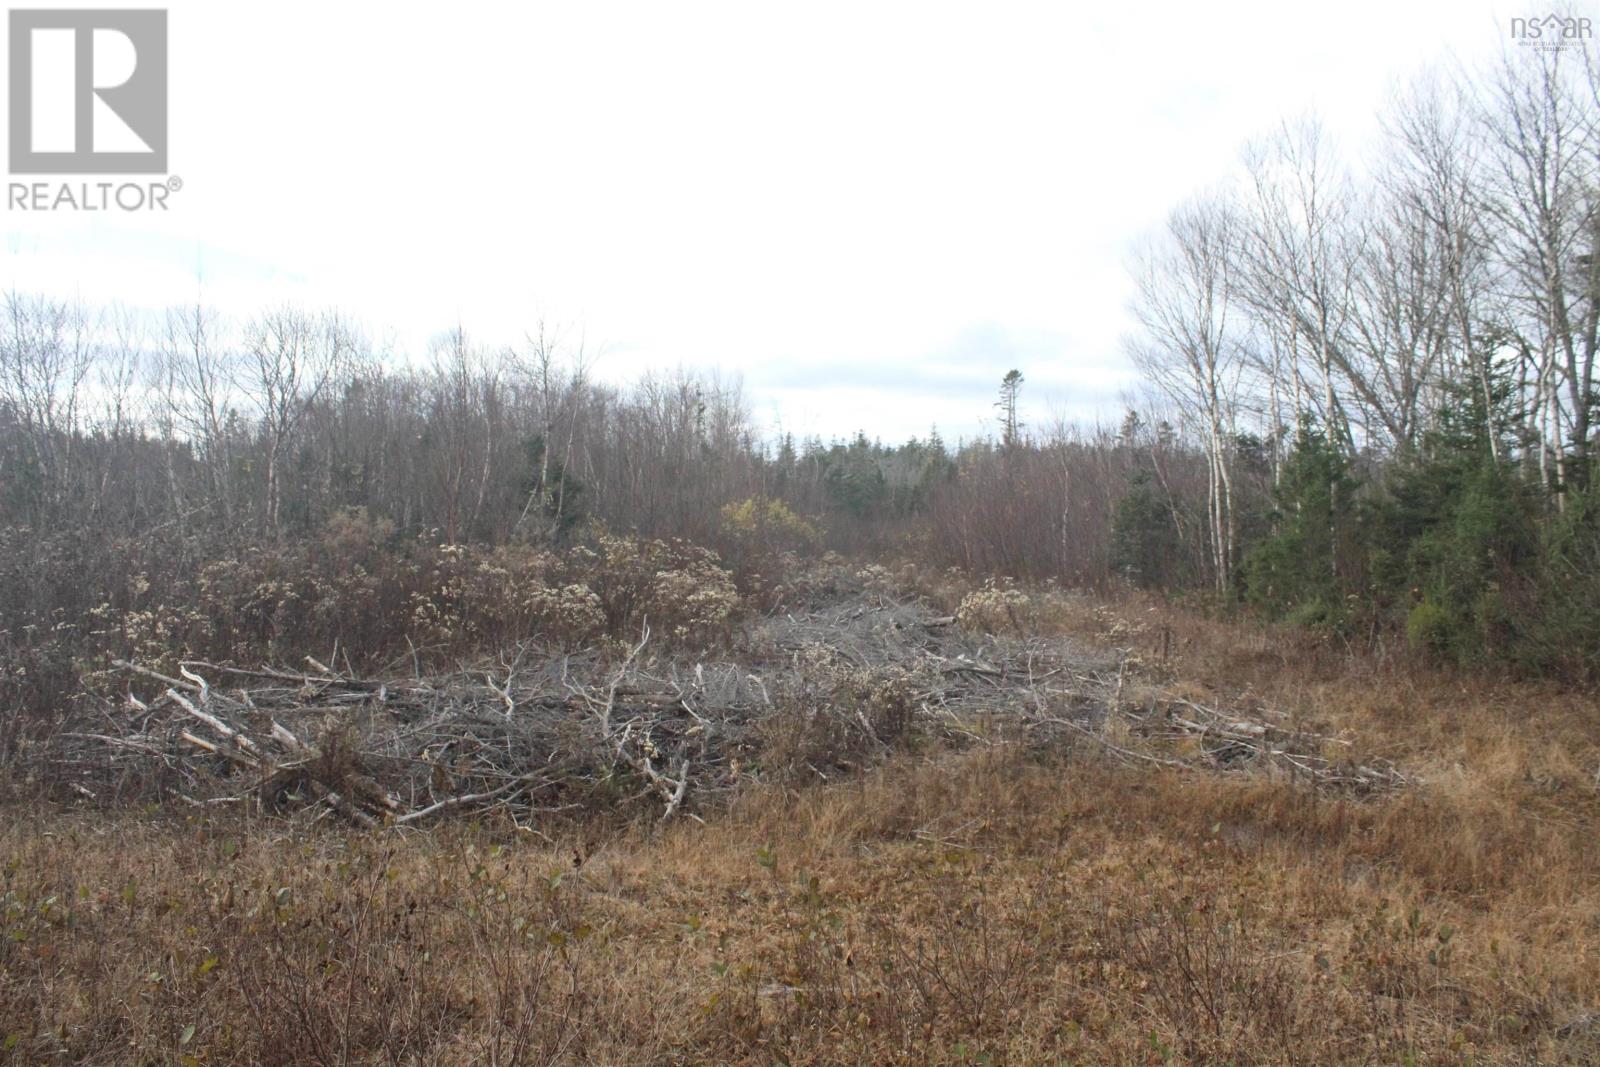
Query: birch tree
[291, 358]
[1185, 304]
[1299, 258]
[1539, 118]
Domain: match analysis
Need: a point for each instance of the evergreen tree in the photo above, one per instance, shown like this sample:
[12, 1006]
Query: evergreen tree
[1559, 634]
[1146, 546]
[1459, 522]
[1010, 390]
[1303, 568]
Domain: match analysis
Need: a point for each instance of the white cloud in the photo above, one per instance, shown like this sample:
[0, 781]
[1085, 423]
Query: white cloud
[854, 190]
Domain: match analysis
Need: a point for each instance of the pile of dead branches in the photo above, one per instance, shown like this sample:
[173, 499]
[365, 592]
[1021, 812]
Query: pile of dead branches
[544, 731]
[1185, 735]
[400, 751]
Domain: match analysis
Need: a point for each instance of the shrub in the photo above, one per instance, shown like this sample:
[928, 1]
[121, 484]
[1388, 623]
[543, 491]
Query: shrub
[1146, 547]
[994, 608]
[1559, 628]
[356, 591]
[772, 523]
[680, 589]
[1430, 630]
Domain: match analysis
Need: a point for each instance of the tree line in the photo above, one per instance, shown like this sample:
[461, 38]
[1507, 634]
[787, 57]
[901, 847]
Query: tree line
[189, 480]
[1406, 340]
[1370, 412]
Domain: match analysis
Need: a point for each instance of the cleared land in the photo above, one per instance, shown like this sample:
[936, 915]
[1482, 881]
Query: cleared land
[1034, 830]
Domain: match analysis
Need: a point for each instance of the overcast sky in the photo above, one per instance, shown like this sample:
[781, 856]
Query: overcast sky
[871, 211]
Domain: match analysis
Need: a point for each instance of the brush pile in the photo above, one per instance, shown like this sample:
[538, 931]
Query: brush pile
[812, 694]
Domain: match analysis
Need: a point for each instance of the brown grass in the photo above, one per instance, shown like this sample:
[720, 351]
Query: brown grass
[989, 907]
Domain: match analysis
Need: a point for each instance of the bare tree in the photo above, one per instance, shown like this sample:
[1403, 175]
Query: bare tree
[291, 358]
[1432, 183]
[1185, 302]
[559, 383]
[1300, 255]
[46, 352]
[1539, 119]
[193, 381]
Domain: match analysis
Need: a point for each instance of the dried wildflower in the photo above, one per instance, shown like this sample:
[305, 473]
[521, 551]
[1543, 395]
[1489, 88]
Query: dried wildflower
[994, 608]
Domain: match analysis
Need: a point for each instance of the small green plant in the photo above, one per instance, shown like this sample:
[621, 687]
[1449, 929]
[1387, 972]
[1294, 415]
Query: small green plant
[1429, 629]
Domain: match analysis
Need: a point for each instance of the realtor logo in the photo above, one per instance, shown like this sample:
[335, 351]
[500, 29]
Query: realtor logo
[1553, 32]
[88, 92]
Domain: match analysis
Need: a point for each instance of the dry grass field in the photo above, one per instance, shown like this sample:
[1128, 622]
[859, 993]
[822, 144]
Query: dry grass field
[988, 903]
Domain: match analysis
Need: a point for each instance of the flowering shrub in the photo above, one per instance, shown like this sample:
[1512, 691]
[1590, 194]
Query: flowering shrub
[477, 598]
[572, 614]
[681, 589]
[696, 601]
[994, 608]
[876, 577]
[358, 590]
